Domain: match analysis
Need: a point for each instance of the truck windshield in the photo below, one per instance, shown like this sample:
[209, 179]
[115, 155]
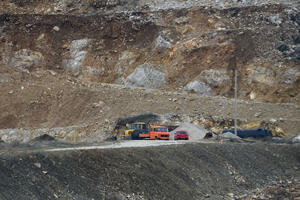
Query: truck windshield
[162, 130]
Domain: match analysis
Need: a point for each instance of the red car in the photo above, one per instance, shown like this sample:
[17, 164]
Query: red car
[181, 135]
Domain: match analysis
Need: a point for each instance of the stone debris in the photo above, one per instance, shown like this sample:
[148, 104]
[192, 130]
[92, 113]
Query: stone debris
[276, 19]
[38, 165]
[284, 191]
[56, 28]
[161, 43]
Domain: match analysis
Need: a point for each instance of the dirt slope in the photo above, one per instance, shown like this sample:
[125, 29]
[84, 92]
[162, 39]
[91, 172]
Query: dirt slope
[61, 106]
[64, 65]
[176, 172]
[188, 44]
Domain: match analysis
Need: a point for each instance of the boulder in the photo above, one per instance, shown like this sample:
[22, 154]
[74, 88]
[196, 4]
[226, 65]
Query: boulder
[276, 19]
[161, 43]
[146, 76]
[56, 28]
[198, 87]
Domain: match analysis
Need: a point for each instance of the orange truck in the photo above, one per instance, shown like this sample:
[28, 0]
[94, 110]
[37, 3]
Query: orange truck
[155, 132]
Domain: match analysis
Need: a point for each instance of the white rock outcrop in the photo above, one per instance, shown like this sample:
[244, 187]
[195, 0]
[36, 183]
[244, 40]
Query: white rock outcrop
[76, 57]
[198, 87]
[215, 77]
[26, 58]
[161, 43]
[146, 76]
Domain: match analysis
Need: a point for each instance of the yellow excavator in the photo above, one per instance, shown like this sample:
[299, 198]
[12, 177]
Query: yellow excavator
[141, 126]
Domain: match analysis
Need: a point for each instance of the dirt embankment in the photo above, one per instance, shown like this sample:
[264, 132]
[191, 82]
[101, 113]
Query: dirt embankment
[73, 110]
[55, 58]
[194, 171]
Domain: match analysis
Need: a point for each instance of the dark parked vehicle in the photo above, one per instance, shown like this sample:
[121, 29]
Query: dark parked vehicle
[255, 133]
[181, 135]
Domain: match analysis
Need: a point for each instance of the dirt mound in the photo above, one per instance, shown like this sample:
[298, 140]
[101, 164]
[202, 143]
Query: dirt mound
[230, 135]
[191, 171]
[194, 131]
[43, 138]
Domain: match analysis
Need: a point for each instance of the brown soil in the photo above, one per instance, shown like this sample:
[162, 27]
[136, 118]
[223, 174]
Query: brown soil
[58, 101]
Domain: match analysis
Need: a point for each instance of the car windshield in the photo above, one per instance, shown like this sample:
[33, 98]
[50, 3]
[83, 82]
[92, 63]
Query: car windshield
[182, 132]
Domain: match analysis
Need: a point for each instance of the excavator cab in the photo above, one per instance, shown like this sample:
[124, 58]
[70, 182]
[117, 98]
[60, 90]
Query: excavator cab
[139, 126]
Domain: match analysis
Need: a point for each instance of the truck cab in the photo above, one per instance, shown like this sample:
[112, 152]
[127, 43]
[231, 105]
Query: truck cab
[159, 132]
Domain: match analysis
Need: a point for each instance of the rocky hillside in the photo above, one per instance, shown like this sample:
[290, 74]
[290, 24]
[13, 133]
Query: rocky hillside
[174, 44]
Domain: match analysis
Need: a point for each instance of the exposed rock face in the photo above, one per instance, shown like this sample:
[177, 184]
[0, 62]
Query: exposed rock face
[199, 87]
[25, 59]
[261, 75]
[290, 76]
[77, 55]
[146, 76]
[108, 41]
[215, 77]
